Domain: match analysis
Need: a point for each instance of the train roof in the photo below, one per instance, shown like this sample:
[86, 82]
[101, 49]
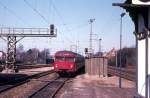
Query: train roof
[66, 53]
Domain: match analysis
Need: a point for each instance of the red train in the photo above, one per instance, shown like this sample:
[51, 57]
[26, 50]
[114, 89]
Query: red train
[68, 62]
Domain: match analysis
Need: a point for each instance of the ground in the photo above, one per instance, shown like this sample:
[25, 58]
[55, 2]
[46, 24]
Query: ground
[84, 86]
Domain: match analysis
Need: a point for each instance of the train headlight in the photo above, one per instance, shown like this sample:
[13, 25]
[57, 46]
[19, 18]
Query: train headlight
[71, 66]
[56, 66]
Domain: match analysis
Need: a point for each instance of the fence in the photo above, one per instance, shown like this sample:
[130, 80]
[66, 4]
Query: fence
[96, 66]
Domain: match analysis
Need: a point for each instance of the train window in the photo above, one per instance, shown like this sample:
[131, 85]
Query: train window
[70, 59]
[59, 59]
[78, 59]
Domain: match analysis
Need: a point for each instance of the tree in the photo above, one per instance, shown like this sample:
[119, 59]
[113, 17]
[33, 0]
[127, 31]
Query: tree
[19, 51]
[43, 55]
[128, 57]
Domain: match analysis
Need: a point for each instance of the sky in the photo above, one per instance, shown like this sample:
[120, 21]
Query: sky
[71, 18]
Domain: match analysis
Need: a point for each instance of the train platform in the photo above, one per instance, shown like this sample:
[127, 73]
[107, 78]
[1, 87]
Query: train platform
[35, 70]
[85, 86]
[4, 77]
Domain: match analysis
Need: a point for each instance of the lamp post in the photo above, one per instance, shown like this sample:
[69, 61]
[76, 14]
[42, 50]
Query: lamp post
[91, 34]
[100, 46]
[100, 55]
[121, 16]
[90, 46]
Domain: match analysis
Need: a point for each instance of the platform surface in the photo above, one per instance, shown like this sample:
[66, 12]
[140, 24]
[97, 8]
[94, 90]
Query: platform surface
[35, 70]
[85, 86]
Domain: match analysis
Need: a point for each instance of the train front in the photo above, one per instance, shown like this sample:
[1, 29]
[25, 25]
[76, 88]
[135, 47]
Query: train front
[64, 62]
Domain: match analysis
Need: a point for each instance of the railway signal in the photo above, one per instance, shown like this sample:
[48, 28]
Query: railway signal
[11, 35]
[52, 29]
[86, 50]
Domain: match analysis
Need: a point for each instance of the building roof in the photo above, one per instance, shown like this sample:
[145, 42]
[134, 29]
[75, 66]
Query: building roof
[111, 53]
[134, 10]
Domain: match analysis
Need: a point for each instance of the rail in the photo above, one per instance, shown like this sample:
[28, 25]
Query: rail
[19, 81]
[124, 73]
[50, 89]
[22, 66]
[29, 66]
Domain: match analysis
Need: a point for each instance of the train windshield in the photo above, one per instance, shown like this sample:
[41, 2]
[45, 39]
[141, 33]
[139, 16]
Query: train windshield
[70, 59]
[59, 59]
[65, 59]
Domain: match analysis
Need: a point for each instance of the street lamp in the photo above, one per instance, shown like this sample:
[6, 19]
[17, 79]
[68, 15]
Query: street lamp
[121, 16]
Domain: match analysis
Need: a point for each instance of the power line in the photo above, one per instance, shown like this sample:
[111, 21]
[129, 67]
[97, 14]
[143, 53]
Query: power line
[78, 27]
[12, 12]
[50, 10]
[67, 39]
[58, 13]
[36, 11]
[52, 4]
[62, 20]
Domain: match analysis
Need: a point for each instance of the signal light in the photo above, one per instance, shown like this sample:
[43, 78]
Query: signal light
[52, 28]
[71, 66]
[86, 50]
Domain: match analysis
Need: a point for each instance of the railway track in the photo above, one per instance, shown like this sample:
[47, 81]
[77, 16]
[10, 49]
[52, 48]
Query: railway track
[124, 73]
[22, 66]
[19, 81]
[29, 66]
[50, 89]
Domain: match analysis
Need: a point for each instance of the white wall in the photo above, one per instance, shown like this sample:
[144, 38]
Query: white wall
[141, 59]
[141, 67]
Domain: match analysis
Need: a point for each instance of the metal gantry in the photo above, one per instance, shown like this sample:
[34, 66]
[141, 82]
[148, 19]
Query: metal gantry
[11, 52]
[10, 36]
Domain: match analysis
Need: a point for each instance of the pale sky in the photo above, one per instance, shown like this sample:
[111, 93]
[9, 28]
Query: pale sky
[71, 20]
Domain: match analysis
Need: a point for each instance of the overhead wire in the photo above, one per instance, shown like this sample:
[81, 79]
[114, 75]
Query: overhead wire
[35, 10]
[18, 17]
[50, 10]
[79, 26]
[62, 20]
[12, 12]
[49, 15]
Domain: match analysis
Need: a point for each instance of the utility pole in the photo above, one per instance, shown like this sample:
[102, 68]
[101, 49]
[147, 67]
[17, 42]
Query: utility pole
[78, 46]
[100, 46]
[91, 33]
[116, 59]
[121, 16]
